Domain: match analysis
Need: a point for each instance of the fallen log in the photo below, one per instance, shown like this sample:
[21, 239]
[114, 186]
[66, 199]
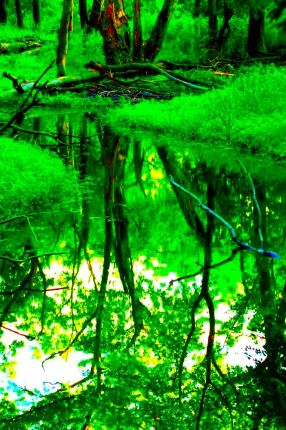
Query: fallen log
[53, 84]
[111, 70]
[117, 74]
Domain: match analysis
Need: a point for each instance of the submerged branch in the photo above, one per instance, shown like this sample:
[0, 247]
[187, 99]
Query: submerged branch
[224, 222]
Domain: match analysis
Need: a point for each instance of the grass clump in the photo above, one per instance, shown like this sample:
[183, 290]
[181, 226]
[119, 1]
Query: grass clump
[31, 179]
[247, 112]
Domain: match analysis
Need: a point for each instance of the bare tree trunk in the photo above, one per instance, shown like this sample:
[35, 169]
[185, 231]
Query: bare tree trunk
[83, 13]
[36, 12]
[155, 41]
[137, 35]
[64, 36]
[19, 13]
[3, 12]
[197, 8]
[94, 17]
[256, 36]
[212, 12]
[225, 28]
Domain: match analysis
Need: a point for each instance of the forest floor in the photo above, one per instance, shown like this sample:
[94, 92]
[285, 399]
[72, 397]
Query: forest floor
[244, 107]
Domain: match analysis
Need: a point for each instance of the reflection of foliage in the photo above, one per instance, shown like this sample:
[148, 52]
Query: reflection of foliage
[31, 178]
[171, 371]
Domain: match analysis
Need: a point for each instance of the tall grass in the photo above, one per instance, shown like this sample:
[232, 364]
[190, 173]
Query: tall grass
[32, 179]
[250, 111]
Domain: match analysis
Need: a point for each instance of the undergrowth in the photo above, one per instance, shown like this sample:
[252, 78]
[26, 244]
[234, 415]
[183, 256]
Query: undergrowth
[249, 112]
[32, 179]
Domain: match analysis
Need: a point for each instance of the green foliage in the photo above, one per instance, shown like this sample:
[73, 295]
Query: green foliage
[60, 300]
[31, 179]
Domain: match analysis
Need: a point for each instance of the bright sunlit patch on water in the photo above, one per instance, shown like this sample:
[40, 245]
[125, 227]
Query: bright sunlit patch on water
[27, 372]
[34, 378]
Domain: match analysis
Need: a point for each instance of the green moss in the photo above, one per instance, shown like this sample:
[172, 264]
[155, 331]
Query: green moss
[32, 179]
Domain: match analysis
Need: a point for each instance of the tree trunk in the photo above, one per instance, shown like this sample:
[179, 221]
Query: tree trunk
[64, 37]
[3, 13]
[225, 28]
[19, 13]
[212, 12]
[36, 12]
[155, 41]
[256, 36]
[83, 13]
[197, 8]
[94, 17]
[137, 32]
[113, 26]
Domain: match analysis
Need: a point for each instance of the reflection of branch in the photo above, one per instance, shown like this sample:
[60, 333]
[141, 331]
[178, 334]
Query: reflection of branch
[209, 302]
[223, 377]
[213, 266]
[37, 408]
[223, 221]
[185, 347]
[26, 281]
[122, 248]
[32, 290]
[21, 217]
[208, 356]
[254, 197]
[54, 136]
[79, 333]
[32, 257]
[204, 295]
[225, 401]
[43, 276]
[18, 333]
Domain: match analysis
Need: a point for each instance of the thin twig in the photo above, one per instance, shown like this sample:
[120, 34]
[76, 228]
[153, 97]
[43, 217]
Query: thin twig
[21, 217]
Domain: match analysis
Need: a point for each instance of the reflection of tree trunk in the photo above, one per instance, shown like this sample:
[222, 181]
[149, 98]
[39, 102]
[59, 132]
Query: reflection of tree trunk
[3, 13]
[172, 169]
[256, 37]
[109, 149]
[36, 12]
[62, 130]
[64, 36]
[269, 371]
[85, 218]
[155, 41]
[122, 249]
[138, 160]
[19, 13]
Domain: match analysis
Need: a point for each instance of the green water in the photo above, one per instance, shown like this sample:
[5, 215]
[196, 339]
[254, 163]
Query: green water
[94, 272]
